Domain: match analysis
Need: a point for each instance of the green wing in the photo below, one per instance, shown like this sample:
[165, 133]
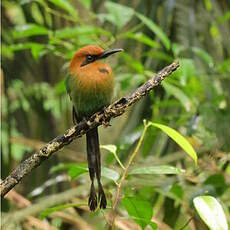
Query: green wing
[67, 83]
[68, 90]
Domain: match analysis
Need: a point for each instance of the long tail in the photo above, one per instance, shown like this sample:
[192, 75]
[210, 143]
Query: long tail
[94, 164]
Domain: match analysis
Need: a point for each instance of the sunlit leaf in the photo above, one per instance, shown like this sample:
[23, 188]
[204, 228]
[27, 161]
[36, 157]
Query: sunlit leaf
[214, 31]
[179, 139]
[208, 5]
[37, 51]
[6, 52]
[28, 30]
[211, 212]
[155, 29]
[110, 148]
[161, 169]
[86, 3]
[224, 66]
[60, 87]
[153, 225]
[138, 209]
[224, 17]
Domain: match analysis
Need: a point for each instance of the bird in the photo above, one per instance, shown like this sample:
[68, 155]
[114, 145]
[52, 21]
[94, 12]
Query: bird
[90, 85]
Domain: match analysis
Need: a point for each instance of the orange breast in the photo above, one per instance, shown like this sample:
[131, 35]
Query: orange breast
[91, 88]
[95, 77]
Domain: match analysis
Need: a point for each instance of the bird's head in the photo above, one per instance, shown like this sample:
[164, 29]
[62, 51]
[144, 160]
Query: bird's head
[90, 54]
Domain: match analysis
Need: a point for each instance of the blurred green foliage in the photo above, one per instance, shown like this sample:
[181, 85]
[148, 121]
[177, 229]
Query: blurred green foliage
[39, 38]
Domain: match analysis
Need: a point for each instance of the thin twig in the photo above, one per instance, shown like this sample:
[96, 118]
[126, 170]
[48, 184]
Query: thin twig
[102, 117]
[130, 161]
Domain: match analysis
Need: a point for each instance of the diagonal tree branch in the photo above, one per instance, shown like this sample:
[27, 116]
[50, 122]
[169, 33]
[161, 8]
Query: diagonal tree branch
[102, 117]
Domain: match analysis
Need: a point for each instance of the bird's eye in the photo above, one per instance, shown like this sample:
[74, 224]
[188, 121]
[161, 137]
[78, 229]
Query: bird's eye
[89, 58]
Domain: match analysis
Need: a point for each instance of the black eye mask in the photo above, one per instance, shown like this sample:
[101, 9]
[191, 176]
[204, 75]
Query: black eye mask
[89, 59]
[105, 54]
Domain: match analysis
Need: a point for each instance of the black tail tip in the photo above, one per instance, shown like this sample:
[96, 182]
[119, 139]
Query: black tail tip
[102, 197]
[92, 202]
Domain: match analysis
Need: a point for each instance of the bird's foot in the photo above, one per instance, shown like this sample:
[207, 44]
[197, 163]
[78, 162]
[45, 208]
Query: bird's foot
[97, 118]
[92, 202]
[105, 124]
[101, 196]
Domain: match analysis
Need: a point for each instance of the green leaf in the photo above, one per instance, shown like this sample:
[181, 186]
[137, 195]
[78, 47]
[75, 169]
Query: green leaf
[186, 71]
[155, 29]
[211, 212]
[77, 170]
[159, 55]
[86, 3]
[178, 138]
[66, 6]
[110, 174]
[140, 37]
[74, 170]
[60, 87]
[133, 63]
[223, 18]
[28, 30]
[177, 49]
[7, 52]
[110, 148]
[138, 209]
[113, 150]
[118, 14]
[224, 66]
[49, 211]
[162, 169]
[218, 182]
[177, 191]
[178, 94]
[37, 49]
[61, 167]
[153, 225]
[203, 55]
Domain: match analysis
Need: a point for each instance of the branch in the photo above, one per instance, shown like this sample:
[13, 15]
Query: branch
[102, 117]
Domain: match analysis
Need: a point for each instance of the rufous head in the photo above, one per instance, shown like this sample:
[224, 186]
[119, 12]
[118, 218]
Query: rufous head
[89, 54]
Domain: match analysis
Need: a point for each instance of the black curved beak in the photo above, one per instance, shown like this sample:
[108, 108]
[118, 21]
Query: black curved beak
[109, 52]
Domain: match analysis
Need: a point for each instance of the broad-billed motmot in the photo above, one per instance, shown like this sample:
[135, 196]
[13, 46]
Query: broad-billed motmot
[90, 87]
